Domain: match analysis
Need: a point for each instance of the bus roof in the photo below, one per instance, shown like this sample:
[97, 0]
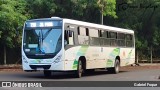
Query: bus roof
[86, 24]
[53, 18]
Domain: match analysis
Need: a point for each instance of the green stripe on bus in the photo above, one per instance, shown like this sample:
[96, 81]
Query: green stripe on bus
[112, 56]
[128, 57]
[81, 52]
[109, 63]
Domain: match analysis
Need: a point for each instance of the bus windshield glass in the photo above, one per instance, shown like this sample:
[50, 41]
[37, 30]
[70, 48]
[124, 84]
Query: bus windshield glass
[42, 42]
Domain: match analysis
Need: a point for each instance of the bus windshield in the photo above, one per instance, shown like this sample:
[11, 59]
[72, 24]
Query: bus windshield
[42, 42]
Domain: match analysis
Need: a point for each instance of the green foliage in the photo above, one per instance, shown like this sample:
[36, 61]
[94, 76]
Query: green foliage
[0, 33]
[109, 7]
[143, 17]
[12, 15]
[41, 8]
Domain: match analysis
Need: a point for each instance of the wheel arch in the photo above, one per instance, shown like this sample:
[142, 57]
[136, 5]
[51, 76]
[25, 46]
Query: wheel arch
[118, 58]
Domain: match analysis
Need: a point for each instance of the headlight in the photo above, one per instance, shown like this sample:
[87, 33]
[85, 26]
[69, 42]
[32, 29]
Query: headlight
[24, 59]
[58, 59]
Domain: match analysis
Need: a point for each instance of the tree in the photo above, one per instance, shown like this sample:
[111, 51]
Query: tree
[107, 7]
[142, 16]
[12, 15]
[85, 10]
[41, 8]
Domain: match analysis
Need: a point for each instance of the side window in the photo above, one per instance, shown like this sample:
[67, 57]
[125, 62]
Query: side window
[104, 38]
[113, 38]
[121, 39]
[113, 35]
[83, 36]
[104, 33]
[87, 32]
[82, 31]
[69, 37]
[94, 37]
[121, 36]
[93, 33]
[129, 40]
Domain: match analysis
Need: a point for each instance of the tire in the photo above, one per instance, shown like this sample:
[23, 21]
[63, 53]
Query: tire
[47, 73]
[116, 67]
[79, 69]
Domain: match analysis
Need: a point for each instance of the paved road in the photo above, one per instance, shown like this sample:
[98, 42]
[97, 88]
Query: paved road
[85, 88]
[101, 75]
[124, 75]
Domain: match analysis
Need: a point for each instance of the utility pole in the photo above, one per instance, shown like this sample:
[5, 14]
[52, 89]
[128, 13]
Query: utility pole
[102, 15]
[151, 54]
[101, 5]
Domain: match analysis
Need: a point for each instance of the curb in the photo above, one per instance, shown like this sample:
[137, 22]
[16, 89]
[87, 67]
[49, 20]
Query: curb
[148, 64]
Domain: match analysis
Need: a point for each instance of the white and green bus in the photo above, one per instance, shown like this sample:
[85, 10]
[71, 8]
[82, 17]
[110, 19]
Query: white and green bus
[60, 44]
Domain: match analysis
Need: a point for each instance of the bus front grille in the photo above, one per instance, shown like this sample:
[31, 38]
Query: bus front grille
[40, 66]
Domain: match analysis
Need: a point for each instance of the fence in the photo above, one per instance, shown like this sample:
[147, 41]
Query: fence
[13, 56]
[148, 56]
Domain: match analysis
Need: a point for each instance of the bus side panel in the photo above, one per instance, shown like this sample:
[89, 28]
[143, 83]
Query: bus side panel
[98, 57]
[71, 57]
[127, 56]
[102, 57]
[95, 58]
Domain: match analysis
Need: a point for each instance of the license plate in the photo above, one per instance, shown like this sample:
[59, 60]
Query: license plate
[40, 68]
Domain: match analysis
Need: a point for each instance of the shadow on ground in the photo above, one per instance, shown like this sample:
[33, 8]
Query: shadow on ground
[70, 75]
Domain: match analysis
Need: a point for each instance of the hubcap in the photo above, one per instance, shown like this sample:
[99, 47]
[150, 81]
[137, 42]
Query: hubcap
[80, 68]
[117, 66]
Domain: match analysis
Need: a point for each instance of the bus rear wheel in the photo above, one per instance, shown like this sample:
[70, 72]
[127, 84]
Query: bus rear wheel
[116, 67]
[79, 69]
[47, 73]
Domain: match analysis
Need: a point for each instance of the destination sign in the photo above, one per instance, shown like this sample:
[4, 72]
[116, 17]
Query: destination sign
[43, 23]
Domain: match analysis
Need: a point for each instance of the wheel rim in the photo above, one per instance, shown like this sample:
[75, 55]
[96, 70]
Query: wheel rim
[80, 69]
[117, 66]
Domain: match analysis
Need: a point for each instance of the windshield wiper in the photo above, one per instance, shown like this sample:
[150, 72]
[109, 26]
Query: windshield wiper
[40, 40]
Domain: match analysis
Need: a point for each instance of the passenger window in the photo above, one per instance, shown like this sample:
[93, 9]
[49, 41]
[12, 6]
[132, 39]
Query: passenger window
[129, 40]
[69, 37]
[104, 34]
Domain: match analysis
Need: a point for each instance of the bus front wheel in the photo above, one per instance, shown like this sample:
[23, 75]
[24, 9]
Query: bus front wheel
[79, 69]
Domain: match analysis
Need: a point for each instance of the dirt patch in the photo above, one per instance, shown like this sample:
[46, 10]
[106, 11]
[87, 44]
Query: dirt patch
[10, 68]
[141, 67]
